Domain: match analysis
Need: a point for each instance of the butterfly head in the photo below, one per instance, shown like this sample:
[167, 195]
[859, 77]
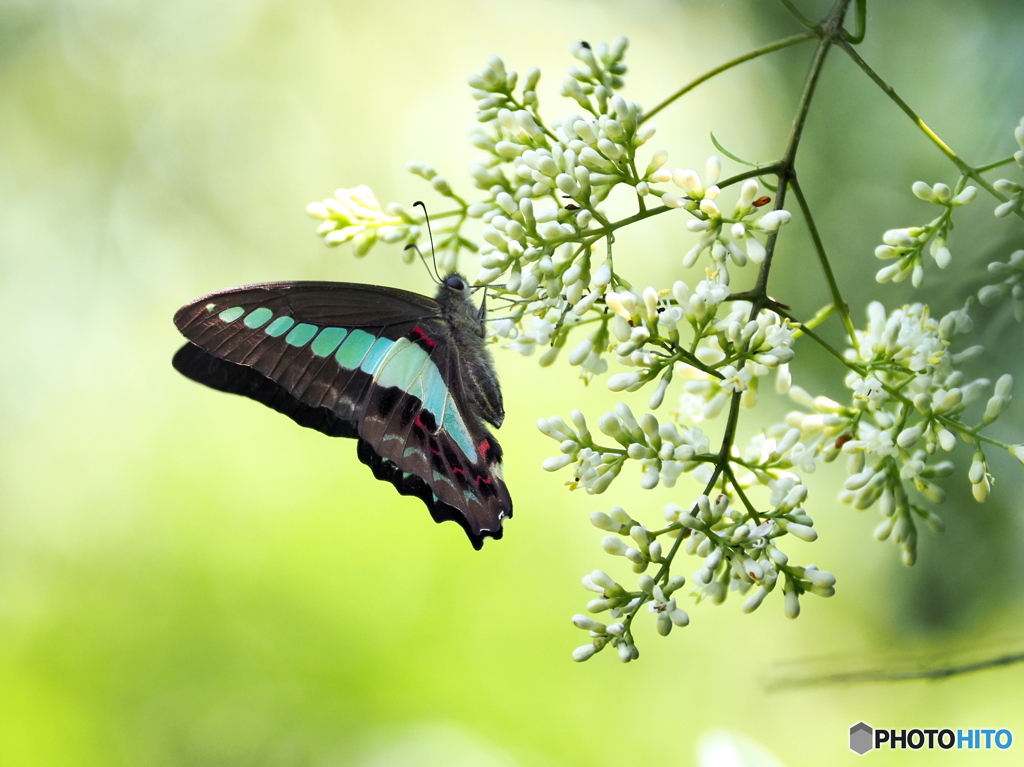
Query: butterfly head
[455, 295]
[456, 283]
[454, 290]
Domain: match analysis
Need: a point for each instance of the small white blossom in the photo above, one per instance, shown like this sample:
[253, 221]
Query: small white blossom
[354, 215]
[1011, 274]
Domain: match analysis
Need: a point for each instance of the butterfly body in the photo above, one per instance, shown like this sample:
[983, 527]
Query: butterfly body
[409, 377]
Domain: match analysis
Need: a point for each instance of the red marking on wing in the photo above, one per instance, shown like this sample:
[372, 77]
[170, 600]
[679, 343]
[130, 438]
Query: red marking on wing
[482, 478]
[457, 470]
[419, 422]
[484, 448]
[424, 337]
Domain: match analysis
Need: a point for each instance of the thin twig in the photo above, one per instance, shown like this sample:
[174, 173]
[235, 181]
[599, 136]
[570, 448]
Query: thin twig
[965, 168]
[771, 47]
[837, 299]
[890, 675]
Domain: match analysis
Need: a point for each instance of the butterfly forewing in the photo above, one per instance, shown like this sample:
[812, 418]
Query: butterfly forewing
[362, 361]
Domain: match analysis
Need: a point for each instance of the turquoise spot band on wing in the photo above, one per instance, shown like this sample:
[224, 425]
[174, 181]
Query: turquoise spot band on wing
[279, 327]
[376, 355]
[301, 334]
[350, 354]
[408, 367]
[402, 368]
[258, 317]
[399, 364]
[328, 341]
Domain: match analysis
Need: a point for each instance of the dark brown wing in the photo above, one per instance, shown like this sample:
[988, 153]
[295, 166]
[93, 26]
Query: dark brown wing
[357, 361]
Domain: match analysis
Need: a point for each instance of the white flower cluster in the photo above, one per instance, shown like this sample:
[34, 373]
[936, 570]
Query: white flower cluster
[907, 245]
[533, 332]
[908, 402]
[546, 249]
[741, 352]
[543, 184]
[619, 603]
[542, 187]
[726, 239]
[664, 450]
[652, 331]
[1012, 284]
[738, 552]
[354, 215]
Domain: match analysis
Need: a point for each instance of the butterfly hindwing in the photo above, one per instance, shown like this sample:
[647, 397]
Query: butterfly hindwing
[377, 364]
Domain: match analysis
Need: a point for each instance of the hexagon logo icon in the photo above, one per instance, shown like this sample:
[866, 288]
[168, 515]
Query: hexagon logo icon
[861, 738]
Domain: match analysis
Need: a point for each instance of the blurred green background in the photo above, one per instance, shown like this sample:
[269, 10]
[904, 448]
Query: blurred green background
[187, 578]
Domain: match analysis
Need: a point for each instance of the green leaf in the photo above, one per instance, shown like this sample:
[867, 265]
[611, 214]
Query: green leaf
[730, 155]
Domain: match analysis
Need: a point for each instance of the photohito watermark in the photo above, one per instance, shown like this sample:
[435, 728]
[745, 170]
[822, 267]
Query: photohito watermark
[864, 738]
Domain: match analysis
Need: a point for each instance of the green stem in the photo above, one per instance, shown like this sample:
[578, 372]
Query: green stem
[902, 671]
[823, 343]
[795, 12]
[967, 170]
[595, 235]
[819, 317]
[861, 20]
[762, 170]
[837, 299]
[751, 510]
[994, 165]
[770, 48]
[831, 30]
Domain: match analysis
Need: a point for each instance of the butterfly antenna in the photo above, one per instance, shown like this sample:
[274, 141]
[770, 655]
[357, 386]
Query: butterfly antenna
[430, 234]
[423, 260]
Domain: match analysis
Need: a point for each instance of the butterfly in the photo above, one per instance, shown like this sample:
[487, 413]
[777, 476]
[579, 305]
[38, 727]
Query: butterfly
[408, 376]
